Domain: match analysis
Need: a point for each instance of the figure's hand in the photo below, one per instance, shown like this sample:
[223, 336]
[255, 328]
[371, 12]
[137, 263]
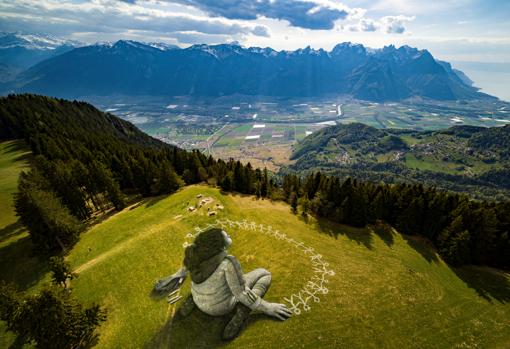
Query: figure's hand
[172, 282]
[277, 310]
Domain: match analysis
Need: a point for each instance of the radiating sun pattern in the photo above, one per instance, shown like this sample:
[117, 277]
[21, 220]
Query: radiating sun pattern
[313, 289]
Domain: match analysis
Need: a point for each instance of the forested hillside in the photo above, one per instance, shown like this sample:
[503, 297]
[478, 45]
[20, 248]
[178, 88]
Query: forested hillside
[87, 162]
[467, 159]
[464, 231]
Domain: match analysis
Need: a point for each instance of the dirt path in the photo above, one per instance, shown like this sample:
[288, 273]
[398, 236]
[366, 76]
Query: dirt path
[121, 247]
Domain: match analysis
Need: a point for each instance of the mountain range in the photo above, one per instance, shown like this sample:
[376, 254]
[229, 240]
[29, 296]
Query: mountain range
[135, 68]
[19, 51]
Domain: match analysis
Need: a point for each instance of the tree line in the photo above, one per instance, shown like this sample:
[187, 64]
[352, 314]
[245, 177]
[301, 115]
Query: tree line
[464, 231]
[86, 161]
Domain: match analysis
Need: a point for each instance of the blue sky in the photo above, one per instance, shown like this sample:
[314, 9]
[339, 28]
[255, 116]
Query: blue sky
[454, 30]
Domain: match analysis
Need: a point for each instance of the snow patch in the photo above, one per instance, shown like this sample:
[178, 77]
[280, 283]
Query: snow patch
[328, 123]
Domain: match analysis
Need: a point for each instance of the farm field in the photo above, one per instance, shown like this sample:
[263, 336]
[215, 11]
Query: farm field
[379, 289]
[225, 126]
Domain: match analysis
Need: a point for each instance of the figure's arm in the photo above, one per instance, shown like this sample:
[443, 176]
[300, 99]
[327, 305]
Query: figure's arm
[252, 300]
[241, 293]
[171, 282]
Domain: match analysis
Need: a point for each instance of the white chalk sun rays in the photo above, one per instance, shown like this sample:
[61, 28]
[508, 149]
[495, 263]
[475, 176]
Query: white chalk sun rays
[312, 290]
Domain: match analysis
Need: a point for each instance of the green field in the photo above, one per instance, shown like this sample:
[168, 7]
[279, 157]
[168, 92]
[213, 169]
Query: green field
[387, 291]
[15, 244]
[17, 263]
[13, 159]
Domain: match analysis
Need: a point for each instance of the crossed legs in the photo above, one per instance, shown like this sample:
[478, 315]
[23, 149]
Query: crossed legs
[258, 281]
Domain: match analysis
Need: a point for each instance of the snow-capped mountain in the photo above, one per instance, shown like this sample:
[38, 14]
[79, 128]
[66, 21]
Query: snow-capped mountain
[34, 41]
[18, 51]
[131, 68]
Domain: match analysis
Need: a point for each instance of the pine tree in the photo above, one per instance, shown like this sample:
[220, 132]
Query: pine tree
[293, 202]
[61, 271]
[51, 225]
[53, 319]
[264, 187]
[227, 183]
[168, 181]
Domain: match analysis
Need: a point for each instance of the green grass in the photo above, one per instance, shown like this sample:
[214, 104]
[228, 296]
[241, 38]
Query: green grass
[430, 164]
[409, 140]
[14, 241]
[13, 159]
[388, 290]
[242, 129]
[17, 263]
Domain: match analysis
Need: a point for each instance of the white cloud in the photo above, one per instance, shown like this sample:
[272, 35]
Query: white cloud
[308, 14]
[108, 16]
[395, 24]
[387, 24]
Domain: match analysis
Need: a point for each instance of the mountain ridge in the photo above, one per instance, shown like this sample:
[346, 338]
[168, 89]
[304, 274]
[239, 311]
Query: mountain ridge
[135, 68]
[19, 51]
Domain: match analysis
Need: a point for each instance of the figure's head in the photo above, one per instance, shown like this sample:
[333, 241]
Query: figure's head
[206, 245]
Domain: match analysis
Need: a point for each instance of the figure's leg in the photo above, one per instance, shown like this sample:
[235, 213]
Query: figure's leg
[258, 281]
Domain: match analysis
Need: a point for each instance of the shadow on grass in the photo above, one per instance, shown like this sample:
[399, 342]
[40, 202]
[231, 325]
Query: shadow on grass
[385, 232]
[10, 230]
[19, 342]
[25, 157]
[490, 284]
[151, 201]
[28, 269]
[423, 246]
[16, 145]
[360, 235]
[197, 330]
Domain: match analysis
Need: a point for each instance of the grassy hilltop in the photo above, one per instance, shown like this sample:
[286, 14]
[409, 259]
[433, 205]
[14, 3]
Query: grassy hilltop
[388, 290]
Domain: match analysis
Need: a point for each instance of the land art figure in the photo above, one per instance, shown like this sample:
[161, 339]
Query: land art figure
[218, 285]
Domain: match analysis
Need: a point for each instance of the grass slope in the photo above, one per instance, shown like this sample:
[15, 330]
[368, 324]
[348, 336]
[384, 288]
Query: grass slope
[13, 158]
[16, 261]
[389, 290]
